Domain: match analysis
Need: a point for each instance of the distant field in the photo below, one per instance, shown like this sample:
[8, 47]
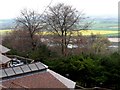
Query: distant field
[101, 32]
[4, 32]
[86, 32]
[89, 32]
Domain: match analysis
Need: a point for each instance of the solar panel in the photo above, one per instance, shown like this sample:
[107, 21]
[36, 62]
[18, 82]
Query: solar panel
[40, 66]
[21, 69]
[9, 71]
[18, 70]
[33, 67]
[25, 68]
[2, 73]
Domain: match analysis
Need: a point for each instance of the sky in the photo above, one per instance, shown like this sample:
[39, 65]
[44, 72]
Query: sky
[11, 8]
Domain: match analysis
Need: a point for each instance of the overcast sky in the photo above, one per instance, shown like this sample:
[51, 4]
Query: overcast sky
[12, 8]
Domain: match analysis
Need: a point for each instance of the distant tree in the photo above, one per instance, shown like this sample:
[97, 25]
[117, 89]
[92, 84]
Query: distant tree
[20, 44]
[62, 20]
[98, 44]
[18, 40]
[30, 21]
[93, 44]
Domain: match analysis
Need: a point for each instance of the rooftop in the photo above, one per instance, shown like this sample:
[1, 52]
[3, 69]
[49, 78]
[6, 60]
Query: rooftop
[37, 80]
[21, 70]
[3, 49]
[114, 39]
[4, 59]
[34, 75]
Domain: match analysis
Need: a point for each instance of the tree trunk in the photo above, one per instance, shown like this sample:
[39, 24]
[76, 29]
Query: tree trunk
[32, 42]
[65, 51]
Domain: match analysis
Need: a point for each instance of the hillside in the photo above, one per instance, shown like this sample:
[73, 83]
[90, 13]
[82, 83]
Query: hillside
[105, 23]
[99, 23]
[6, 24]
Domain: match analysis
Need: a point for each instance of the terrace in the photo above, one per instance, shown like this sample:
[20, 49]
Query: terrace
[11, 60]
[18, 60]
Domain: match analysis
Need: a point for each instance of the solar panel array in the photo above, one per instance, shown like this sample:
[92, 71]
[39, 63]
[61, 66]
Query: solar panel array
[21, 69]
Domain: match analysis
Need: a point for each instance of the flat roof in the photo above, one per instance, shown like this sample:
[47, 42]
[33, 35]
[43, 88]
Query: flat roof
[114, 39]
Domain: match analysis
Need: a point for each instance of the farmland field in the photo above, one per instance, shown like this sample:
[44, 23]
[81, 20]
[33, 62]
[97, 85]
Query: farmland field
[74, 33]
[4, 32]
[107, 26]
[89, 32]
[101, 32]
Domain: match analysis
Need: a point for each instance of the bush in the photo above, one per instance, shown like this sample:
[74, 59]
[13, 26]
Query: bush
[89, 71]
[40, 53]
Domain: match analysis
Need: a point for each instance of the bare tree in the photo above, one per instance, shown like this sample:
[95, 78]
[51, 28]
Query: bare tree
[99, 44]
[62, 20]
[31, 22]
[19, 40]
[93, 44]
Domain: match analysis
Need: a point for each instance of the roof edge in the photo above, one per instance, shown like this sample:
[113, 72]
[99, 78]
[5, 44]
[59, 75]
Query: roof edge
[67, 82]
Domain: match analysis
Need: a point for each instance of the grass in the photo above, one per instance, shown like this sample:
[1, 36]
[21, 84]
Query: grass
[75, 33]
